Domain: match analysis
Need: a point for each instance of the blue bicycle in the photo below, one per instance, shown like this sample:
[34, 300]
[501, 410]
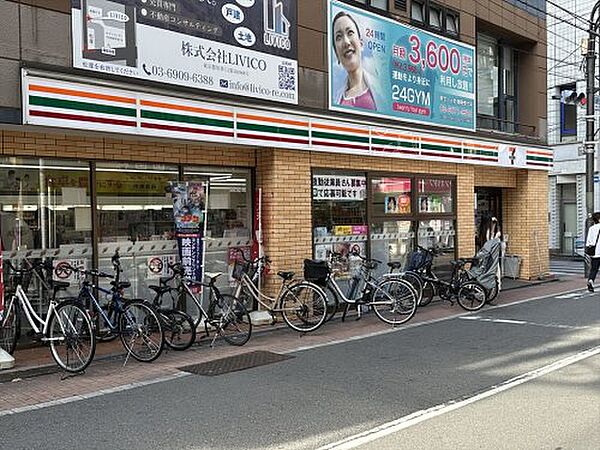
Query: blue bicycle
[134, 321]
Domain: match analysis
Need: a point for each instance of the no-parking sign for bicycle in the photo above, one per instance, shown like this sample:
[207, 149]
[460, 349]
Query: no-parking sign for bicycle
[158, 266]
[62, 269]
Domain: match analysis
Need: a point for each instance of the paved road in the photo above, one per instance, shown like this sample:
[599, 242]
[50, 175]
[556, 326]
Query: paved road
[331, 393]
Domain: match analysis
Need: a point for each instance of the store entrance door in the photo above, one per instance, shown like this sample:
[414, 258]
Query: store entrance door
[488, 203]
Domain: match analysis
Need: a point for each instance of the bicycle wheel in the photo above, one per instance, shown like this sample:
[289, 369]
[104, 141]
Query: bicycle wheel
[428, 293]
[183, 301]
[333, 303]
[416, 282]
[394, 301]
[104, 333]
[304, 307]
[71, 336]
[493, 292]
[9, 328]
[141, 331]
[471, 295]
[232, 320]
[179, 328]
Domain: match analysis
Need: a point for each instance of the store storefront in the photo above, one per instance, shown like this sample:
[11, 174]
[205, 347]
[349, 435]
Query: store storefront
[82, 212]
[382, 215]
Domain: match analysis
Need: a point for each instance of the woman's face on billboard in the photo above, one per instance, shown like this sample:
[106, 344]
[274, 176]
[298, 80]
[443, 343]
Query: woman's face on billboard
[348, 46]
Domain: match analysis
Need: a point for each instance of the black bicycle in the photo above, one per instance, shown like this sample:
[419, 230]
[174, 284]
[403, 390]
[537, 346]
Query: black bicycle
[225, 313]
[467, 291]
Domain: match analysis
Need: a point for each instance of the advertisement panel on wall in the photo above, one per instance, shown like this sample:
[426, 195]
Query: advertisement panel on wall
[238, 47]
[382, 68]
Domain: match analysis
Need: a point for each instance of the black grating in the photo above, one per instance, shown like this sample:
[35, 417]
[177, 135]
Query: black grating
[400, 5]
[234, 363]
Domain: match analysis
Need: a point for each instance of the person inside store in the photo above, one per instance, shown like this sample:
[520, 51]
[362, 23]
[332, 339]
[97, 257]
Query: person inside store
[592, 249]
[348, 46]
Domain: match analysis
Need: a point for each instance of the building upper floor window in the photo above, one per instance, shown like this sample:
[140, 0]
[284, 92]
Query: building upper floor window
[568, 114]
[434, 17]
[378, 4]
[496, 84]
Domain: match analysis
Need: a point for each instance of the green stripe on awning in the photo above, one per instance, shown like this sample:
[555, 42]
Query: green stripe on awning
[182, 118]
[539, 158]
[394, 143]
[81, 106]
[271, 129]
[340, 137]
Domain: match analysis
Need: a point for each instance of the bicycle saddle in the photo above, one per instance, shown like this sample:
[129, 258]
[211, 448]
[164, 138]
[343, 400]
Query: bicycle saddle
[159, 289]
[286, 275]
[121, 284]
[395, 265]
[213, 275]
[458, 262]
[60, 285]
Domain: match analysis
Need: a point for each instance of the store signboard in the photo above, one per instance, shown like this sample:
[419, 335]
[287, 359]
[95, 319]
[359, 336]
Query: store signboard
[238, 47]
[339, 187]
[189, 210]
[380, 67]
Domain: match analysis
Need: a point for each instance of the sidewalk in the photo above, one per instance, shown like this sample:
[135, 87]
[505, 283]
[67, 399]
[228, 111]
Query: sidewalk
[37, 380]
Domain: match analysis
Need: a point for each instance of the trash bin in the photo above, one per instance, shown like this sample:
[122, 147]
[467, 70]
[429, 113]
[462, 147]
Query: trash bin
[511, 265]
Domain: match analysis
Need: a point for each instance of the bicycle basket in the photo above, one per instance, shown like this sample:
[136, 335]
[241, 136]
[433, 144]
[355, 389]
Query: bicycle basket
[316, 271]
[240, 268]
[418, 259]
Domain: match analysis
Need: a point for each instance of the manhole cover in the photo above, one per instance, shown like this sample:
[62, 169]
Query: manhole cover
[235, 363]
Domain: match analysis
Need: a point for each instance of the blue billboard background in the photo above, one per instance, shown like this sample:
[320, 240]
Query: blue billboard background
[407, 74]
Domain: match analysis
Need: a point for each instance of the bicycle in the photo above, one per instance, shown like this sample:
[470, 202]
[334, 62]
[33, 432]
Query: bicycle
[225, 313]
[302, 304]
[134, 321]
[66, 325]
[430, 289]
[394, 300]
[468, 292]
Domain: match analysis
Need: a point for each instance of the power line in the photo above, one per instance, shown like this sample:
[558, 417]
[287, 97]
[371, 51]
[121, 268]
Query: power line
[574, 15]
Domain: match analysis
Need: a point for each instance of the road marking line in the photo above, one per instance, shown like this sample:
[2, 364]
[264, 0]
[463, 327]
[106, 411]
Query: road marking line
[76, 398]
[423, 415]
[574, 294]
[524, 322]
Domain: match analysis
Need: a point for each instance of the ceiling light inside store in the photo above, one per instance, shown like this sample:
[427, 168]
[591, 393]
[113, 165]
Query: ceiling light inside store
[41, 167]
[111, 169]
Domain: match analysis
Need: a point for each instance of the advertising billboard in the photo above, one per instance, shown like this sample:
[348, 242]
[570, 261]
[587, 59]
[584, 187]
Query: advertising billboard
[382, 68]
[238, 47]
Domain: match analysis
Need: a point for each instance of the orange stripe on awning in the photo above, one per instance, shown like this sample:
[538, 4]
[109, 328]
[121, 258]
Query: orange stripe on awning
[484, 146]
[338, 128]
[186, 108]
[395, 135]
[440, 141]
[76, 93]
[272, 119]
[538, 152]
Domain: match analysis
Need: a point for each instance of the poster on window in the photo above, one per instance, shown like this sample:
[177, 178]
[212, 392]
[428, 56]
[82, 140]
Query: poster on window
[238, 47]
[339, 187]
[380, 67]
[189, 210]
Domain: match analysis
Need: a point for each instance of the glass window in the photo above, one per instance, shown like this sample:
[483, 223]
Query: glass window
[440, 234]
[135, 217]
[568, 120]
[452, 23]
[391, 195]
[45, 214]
[487, 75]
[434, 195]
[391, 241]
[417, 11]
[339, 213]
[435, 17]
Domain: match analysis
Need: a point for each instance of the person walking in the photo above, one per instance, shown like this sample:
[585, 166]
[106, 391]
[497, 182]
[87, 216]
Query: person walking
[592, 241]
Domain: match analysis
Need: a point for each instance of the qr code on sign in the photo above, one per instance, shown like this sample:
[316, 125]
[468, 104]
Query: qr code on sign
[287, 78]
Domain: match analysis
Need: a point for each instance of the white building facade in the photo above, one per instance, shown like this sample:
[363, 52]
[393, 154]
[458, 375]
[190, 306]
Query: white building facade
[566, 126]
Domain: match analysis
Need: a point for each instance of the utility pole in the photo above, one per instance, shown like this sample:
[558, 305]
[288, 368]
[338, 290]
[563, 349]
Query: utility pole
[590, 144]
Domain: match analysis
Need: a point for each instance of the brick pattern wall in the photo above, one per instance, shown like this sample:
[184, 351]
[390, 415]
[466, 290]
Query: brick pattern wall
[284, 176]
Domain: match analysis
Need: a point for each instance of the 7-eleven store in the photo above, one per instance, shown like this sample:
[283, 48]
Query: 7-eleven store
[87, 173]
